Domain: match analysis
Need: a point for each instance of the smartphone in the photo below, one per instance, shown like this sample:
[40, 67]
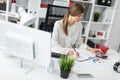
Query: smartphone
[84, 76]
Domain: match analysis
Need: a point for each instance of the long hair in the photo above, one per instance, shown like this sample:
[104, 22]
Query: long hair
[74, 10]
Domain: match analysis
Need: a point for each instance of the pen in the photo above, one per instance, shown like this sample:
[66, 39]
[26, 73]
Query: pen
[73, 48]
[75, 52]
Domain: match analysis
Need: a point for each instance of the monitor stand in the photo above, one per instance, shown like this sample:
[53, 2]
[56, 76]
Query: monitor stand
[19, 66]
[24, 68]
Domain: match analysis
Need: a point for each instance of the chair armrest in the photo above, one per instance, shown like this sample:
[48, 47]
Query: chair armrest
[56, 55]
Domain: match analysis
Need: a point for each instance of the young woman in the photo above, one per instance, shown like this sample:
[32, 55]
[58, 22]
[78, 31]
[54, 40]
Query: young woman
[67, 32]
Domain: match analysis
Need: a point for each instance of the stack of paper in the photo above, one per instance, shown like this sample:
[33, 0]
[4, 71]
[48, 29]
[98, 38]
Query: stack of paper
[85, 55]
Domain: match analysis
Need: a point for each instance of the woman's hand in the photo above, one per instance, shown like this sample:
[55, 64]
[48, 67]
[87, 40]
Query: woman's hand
[73, 53]
[94, 50]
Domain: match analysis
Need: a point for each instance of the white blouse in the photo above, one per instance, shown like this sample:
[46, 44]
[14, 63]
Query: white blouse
[62, 43]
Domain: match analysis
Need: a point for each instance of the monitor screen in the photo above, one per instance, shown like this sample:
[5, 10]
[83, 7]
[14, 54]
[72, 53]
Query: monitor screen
[29, 43]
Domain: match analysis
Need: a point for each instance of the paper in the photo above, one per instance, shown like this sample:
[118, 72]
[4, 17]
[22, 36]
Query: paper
[85, 55]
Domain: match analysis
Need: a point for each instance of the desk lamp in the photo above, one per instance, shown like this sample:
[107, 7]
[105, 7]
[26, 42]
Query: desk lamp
[26, 19]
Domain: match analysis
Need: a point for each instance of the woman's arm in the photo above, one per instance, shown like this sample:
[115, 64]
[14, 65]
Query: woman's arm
[94, 50]
[80, 43]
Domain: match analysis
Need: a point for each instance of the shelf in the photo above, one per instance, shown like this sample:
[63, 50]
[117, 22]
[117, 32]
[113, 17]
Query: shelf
[82, 1]
[2, 11]
[100, 23]
[15, 15]
[101, 6]
[83, 35]
[10, 14]
[95, 38]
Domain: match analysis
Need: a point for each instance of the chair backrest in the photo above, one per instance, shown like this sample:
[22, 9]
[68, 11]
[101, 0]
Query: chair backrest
[54, 12]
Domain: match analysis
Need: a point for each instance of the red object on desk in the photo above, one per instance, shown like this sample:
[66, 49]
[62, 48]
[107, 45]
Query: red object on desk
[98, 46]
[104, 49]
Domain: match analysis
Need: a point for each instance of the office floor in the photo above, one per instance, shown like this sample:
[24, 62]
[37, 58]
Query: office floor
[11, 70]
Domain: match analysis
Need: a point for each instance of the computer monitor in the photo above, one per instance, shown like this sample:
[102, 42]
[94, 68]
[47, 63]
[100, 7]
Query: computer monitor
[37, 41]
[20, 45]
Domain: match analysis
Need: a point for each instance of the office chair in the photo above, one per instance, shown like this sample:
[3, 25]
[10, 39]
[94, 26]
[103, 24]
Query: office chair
[53, 14]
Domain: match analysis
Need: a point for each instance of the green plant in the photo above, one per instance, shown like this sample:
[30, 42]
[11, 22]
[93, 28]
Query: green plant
[66, 63]
[32, 25]
[96, 16]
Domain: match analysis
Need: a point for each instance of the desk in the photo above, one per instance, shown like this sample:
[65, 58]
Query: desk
[100, 72]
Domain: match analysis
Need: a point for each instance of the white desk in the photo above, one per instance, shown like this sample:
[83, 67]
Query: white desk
[102, 71]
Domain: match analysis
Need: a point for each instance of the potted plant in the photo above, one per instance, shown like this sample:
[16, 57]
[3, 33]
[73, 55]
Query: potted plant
[66, 63]
[96, 16]
[32, 25]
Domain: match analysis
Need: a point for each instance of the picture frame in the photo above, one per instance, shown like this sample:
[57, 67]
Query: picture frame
[100, 34]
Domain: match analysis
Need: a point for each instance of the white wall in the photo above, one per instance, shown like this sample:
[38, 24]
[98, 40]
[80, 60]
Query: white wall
[114, 40]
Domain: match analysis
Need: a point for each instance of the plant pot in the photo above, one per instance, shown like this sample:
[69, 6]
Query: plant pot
[64, 74]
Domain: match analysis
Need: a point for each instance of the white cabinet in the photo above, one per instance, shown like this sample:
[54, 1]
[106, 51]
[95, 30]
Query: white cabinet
[98, 31]
[104, 23]
[7, 13]
[30, 5]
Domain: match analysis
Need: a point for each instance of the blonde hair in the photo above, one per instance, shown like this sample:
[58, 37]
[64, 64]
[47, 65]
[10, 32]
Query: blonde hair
[74, 10]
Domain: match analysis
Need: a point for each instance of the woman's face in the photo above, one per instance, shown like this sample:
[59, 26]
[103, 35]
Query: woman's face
[77, 18]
